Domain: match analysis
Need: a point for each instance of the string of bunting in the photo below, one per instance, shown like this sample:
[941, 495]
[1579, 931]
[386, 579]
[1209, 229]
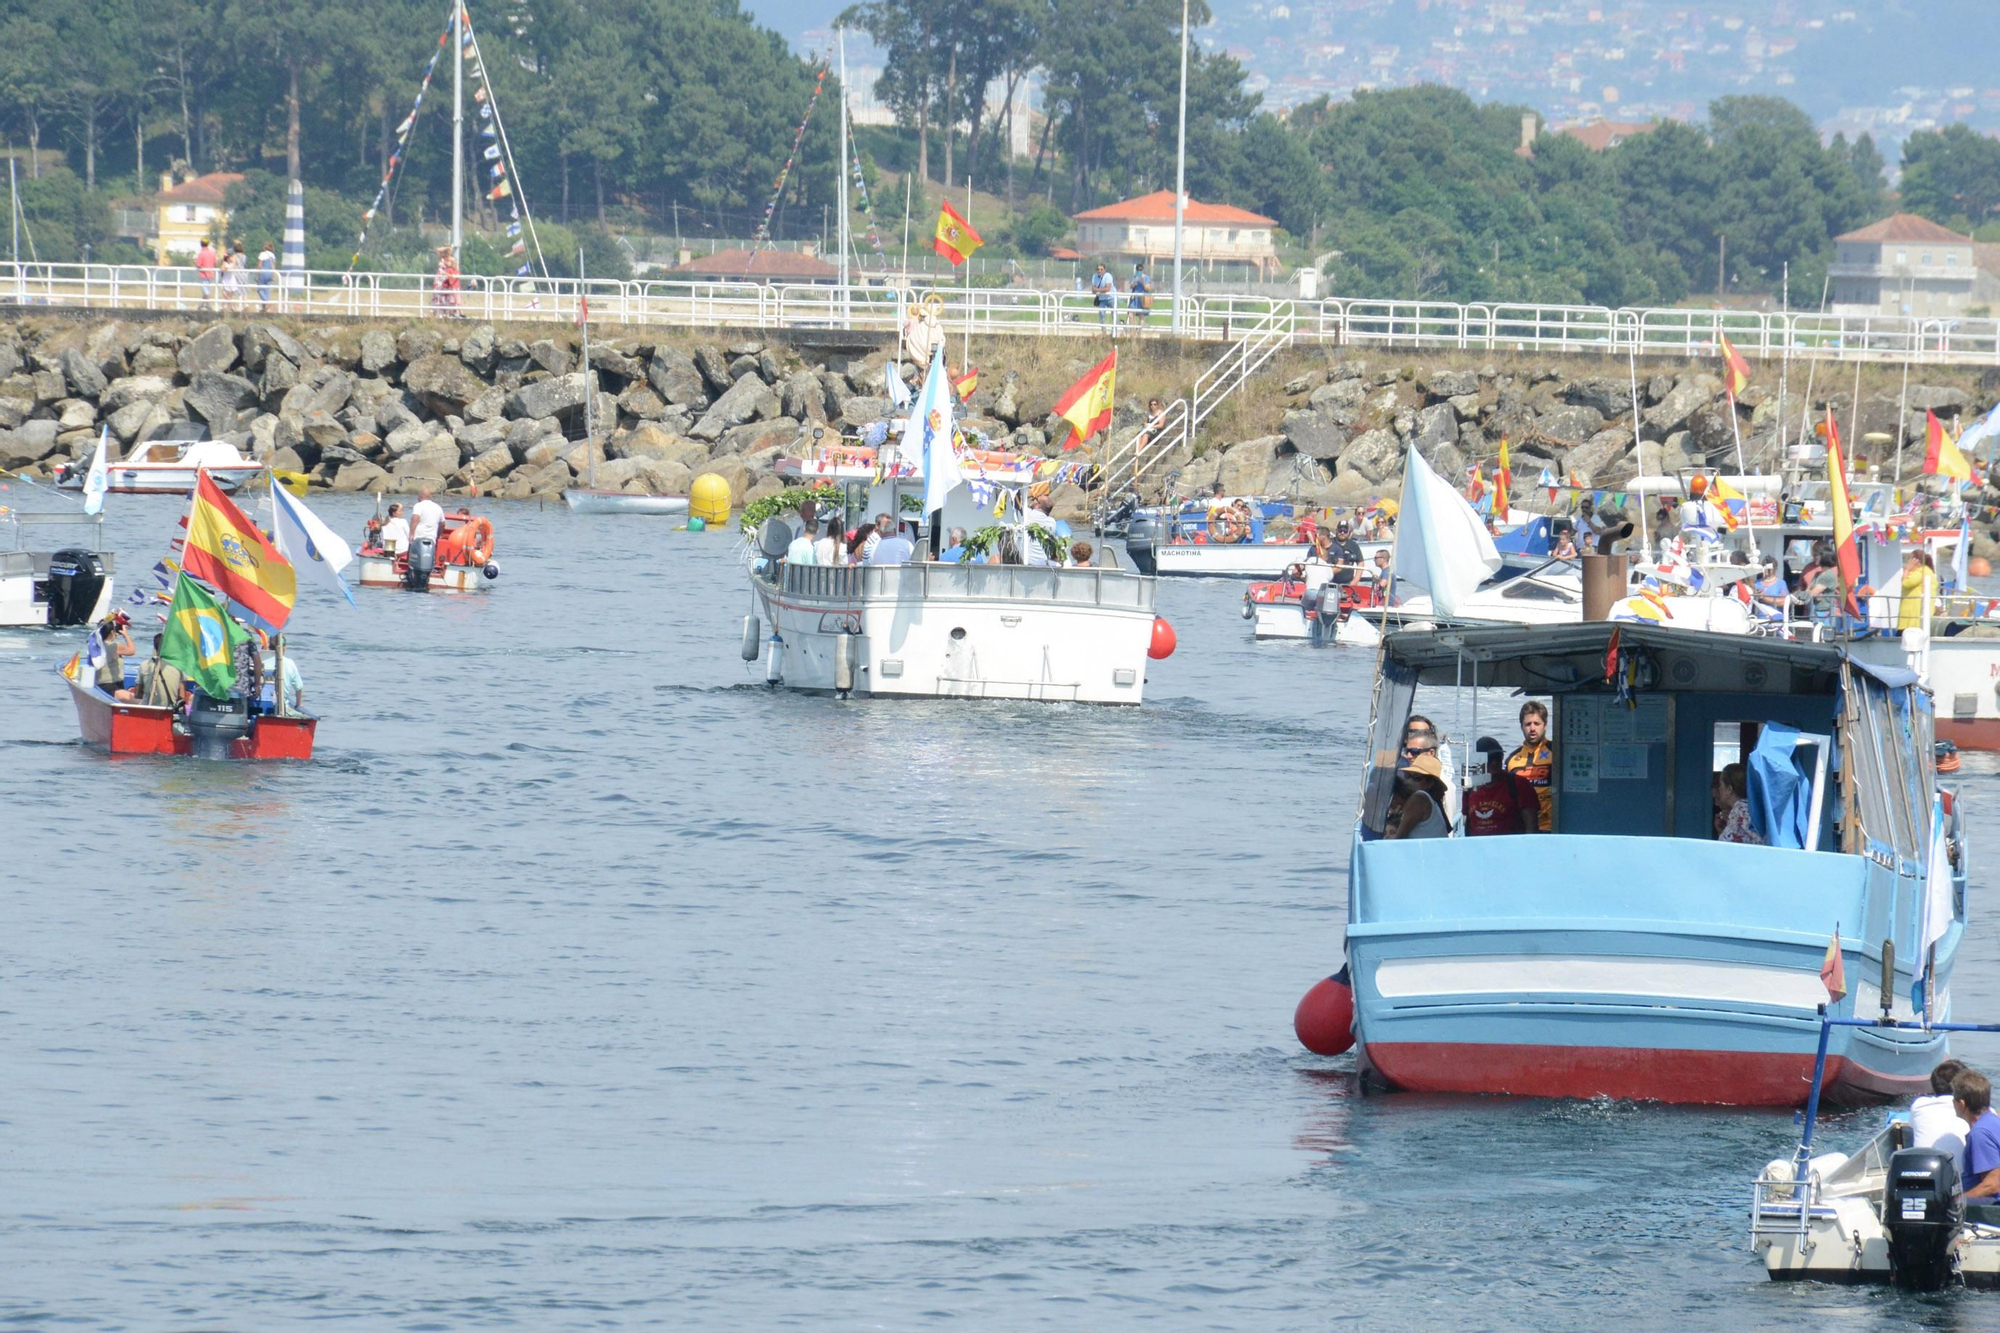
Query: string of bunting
[763, 236]
[867, 211]
[494, 151]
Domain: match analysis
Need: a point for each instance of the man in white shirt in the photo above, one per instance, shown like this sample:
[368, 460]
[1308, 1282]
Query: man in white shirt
[395, 531]
[1933, 1121]
[894, 549]
[801, 552]
[425, 516]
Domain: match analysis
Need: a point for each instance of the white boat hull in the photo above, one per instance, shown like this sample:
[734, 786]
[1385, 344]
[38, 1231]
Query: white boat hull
[1278, 620]
[168, 479]
[21, 608]
[935, 631]
[375, 571]
[619, 502]
[1245, 560]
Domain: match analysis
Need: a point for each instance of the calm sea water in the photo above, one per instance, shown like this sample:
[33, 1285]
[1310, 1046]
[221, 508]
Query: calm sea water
[580, 981]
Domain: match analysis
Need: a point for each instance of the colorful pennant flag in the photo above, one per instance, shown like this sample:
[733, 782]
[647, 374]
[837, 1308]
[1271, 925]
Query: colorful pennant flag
[1735, 370]
[1847, 556]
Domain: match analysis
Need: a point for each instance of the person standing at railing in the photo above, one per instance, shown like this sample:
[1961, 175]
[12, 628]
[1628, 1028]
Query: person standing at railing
[1104, 290]
[267, 269]
[1919, 587]
[1141, 300]
[204, 267]
[232, 275]
[444, 294]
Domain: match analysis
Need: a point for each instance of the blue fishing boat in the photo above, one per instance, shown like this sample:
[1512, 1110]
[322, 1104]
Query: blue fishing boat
[1630, 951]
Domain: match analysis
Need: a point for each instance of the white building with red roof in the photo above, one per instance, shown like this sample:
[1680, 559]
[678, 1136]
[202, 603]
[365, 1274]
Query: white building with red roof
[1904, 265]
[190, 211]
[1214, 235]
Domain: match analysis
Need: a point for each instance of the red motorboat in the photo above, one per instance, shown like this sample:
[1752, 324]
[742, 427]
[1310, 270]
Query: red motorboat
[212, 728]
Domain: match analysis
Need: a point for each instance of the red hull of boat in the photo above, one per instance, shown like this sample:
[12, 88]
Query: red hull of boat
[123, 728]
[1708, 1078]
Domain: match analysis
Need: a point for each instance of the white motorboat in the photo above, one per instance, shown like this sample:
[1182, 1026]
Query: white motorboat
[167, 466]
[623, 502]
[931, 630]
[42, 583]
[1893, 1212]
[1190, 543]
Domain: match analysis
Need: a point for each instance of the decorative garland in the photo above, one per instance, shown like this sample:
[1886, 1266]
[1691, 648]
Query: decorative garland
[757, 512]
[763, 236]
[987, 540]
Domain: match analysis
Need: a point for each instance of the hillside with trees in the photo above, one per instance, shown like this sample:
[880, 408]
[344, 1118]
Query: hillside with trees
[676, 117]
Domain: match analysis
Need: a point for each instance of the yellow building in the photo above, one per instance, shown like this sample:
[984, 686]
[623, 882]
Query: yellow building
[189, 212]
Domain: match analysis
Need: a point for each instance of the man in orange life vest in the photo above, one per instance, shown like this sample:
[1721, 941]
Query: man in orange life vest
[1504, 803]
[1536, 758]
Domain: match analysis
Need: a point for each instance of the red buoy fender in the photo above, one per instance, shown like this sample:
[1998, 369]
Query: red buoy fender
[1324, 1020]
[1164, 641]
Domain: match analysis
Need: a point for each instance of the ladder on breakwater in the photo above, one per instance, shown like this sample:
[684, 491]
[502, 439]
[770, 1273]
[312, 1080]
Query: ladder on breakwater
[1130, 463]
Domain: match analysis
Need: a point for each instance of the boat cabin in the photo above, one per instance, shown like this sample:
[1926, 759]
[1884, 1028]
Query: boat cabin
[1838, 753]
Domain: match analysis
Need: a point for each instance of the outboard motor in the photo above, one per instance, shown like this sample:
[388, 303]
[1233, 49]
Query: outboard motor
[215, 725]
[1920, 1208]
[75, 582]
[1140, 535]
[417, 568]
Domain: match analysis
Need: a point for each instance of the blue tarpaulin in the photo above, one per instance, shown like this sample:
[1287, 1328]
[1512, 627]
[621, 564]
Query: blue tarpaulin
[1535, 537]
[1780, 789]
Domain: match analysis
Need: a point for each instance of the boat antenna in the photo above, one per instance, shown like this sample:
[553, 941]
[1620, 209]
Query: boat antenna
[589, 376]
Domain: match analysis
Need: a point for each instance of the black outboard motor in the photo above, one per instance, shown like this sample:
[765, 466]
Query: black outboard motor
[75, 582]
[1140, 535]
[422, 560]
[215, 725]
[1920, 1208]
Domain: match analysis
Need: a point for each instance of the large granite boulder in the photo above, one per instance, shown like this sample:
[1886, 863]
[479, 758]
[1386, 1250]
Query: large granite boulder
[1376, 455]
[558, 397]
[378, 351]
[214, 348]
[217, 397]
[84, 377]
[746, 400]
[650, 441]
[443, 383]
[674, 377]
[1315, 434]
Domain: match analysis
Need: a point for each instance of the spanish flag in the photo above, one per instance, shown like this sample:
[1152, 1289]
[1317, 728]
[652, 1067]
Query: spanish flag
[955, 239]
[226, 551]
[1735, 370]
[1503, 483]
[1942, 456]
[1847, 556]
[1086, 405]
[201, 639]
[967, 384]
[1733, 502]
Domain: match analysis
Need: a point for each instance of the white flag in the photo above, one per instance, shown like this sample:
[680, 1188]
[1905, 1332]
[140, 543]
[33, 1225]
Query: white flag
[1441, 544]
[309, 544]
[899, 392]
[95, 481]
[927, 434]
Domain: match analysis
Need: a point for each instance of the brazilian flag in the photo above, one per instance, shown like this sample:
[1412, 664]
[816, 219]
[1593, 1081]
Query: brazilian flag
[201, 639]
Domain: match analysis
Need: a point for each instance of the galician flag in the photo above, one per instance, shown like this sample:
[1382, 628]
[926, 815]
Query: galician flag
[95, 482]
[201, 639]
[308, 543]
[927, 434]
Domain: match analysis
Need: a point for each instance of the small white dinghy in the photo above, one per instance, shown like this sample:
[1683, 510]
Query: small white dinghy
[585, 501]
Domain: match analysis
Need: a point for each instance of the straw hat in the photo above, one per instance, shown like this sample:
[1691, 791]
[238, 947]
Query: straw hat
[1427, 765]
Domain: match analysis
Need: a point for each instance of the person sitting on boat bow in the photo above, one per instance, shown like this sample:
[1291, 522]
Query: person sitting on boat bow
[1505, 802]
[395, 531]
[1417, 810]
[161, 684]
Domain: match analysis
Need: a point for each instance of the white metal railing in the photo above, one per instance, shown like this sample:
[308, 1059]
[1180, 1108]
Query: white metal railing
[1494, 327]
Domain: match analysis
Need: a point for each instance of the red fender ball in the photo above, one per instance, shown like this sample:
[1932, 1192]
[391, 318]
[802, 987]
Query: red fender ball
[1164, 642]
[1324, 1019]
[1979, 566]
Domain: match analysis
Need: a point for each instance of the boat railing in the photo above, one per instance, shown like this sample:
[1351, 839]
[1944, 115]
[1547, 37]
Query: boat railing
[1091, 586]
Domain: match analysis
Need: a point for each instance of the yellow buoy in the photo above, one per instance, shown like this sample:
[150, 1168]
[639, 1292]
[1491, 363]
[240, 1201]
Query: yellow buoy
[708, 499]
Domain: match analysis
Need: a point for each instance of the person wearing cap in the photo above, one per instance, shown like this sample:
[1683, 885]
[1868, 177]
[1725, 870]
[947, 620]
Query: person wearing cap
[1504, 802]
[1418, 807]
[1344, 553]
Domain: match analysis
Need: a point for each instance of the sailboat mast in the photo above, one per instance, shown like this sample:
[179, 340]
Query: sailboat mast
[845, 184]
[457, 128]
[589, 377]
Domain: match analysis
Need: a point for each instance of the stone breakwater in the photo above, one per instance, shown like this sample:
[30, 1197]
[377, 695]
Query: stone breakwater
[475, 410]
[463, 408]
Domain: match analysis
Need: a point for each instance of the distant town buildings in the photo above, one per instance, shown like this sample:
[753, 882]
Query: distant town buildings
[188, 213]
[1908, 266]
[1220, 238]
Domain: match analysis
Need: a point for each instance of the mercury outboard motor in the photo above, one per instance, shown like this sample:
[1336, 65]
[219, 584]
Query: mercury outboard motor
[215, 725]
[1141, 533]
[1921, 1211]
[422, 560]
[75, 582]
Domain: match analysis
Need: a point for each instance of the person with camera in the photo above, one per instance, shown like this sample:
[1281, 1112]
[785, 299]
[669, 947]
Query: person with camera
[115, 642]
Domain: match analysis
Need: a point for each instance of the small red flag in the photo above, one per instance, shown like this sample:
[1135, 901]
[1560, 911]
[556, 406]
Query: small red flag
[1611, 656]
[1831, 971]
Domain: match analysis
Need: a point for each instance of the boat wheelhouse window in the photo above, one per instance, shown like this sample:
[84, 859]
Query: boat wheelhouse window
[1529, 590]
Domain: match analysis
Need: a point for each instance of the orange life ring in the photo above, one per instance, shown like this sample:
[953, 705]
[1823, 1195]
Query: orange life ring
[1224, 527]
[471, 543]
